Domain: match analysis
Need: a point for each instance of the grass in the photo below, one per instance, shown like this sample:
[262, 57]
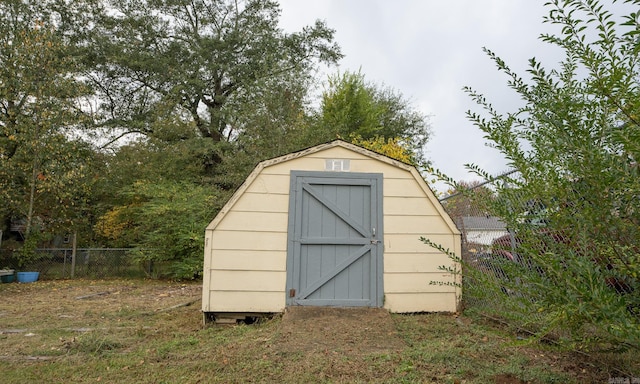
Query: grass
[122, 335]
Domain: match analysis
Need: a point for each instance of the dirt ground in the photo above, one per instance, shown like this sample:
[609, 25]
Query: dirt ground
[345, 330]
[84, 305]
[132, 331]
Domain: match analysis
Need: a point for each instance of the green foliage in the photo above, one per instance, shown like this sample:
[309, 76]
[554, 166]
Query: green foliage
[575, 145]
[348, 107]
[351, 107]
[467, 199]
[203, 90]
[179, 100]
[43, 172]
[392, 148]
[165, 221]
[276, 122]
[27, 253]
[196, 60]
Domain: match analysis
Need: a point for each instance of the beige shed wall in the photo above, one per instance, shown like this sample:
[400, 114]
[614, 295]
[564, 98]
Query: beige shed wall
[246, 250]
[410, 266]
[246, 270]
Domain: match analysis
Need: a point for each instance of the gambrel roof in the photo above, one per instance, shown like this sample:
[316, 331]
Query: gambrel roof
[322, 147]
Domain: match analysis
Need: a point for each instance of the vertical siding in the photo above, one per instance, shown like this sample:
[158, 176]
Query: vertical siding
[245, 258]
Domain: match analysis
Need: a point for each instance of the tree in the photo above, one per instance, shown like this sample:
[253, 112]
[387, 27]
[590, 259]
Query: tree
[43, 171]
[467, 199]
[164, 221]
[283, 121]
[153, 197]
[575, 144]
[351, 108]
[197, 60]
[392, 148]
[207, 88]
[274, 124]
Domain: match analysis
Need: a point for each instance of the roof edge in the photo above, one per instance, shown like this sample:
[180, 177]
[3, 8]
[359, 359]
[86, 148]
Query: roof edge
[321, 147]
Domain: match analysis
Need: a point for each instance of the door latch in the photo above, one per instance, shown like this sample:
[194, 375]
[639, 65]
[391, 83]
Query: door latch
[292, 292]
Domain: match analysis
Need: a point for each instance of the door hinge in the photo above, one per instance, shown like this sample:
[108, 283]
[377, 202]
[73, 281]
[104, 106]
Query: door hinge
[292, 292]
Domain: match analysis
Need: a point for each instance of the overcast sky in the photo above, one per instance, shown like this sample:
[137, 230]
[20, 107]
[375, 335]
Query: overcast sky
[428, 50]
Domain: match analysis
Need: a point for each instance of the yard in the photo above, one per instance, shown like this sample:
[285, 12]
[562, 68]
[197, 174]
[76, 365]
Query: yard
[133, 331]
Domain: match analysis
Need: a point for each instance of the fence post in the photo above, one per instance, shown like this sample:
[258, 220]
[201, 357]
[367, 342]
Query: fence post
[73, 254]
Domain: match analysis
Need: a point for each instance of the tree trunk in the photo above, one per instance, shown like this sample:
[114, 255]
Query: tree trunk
[32, 196]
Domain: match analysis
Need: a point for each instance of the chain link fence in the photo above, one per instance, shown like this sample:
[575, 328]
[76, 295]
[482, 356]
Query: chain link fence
[558, 258]
[553, 226]
[488, 247]
[90, 263]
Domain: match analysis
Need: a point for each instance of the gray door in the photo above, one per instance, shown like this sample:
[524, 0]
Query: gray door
[335, 239]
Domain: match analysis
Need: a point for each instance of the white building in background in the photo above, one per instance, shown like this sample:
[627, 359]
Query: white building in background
[483, 230]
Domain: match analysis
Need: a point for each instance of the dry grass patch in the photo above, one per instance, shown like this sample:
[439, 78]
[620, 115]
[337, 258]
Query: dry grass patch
[137, 331]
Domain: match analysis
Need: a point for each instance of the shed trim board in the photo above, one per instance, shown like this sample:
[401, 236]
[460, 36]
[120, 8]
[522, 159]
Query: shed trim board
[250, 245]
[334, 252]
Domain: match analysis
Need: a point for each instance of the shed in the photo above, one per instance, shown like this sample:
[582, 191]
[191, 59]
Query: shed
[331, 225]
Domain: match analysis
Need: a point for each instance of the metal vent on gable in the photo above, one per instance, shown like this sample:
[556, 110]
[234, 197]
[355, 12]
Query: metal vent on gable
[337, 165]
